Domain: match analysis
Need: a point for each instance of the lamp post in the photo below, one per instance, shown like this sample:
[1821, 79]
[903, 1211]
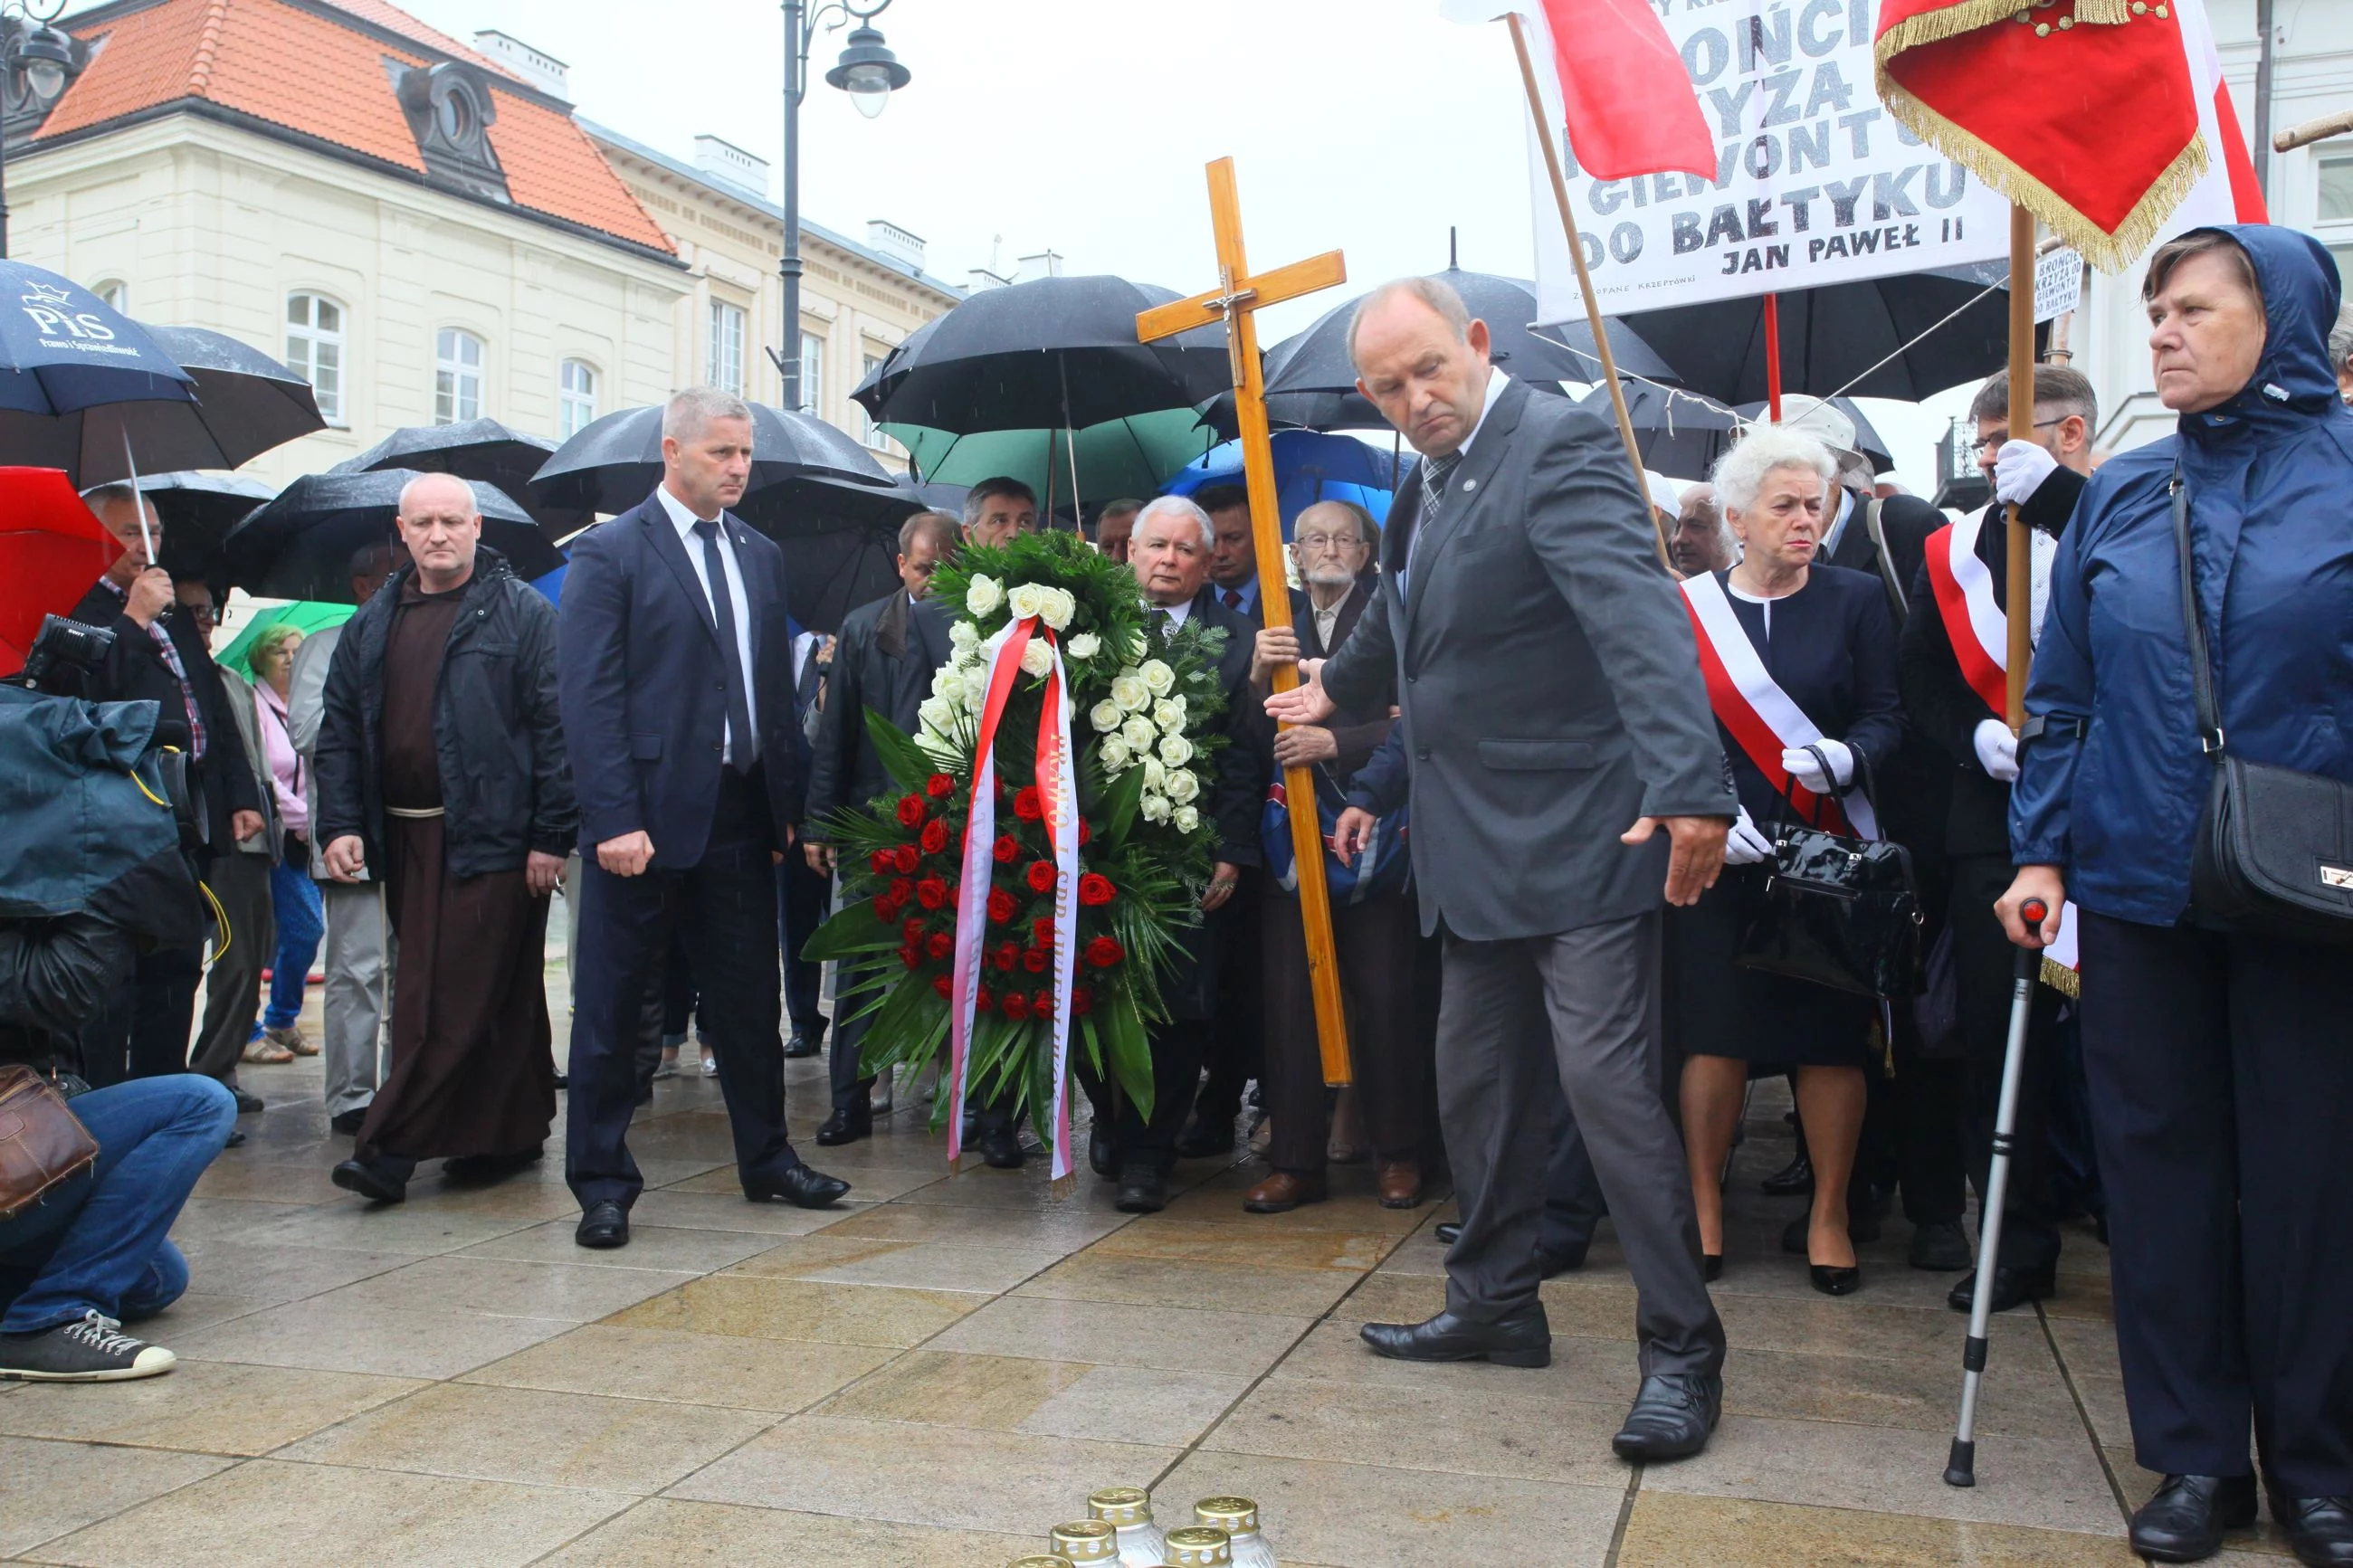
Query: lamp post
[869, 73]
[36, 63]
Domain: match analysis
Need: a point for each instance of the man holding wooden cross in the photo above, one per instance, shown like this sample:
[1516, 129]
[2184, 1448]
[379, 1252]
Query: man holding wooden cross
[1563, 767]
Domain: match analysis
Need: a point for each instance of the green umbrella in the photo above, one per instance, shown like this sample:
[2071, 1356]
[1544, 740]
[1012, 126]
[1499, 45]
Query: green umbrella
[1131, 457]
[305, 616]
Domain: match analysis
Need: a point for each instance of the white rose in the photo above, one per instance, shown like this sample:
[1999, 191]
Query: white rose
[1155, 776]
[936, 714]
[1137, 645]
[1128, 691]
[1139, 732]
[1036, 656]
[982, 595]
[1169, 714]
[1176, 750]
[1186, 818]
[963, 636]
[947, 681]
[1114, 753]
[1155, 807]
[1106, 716]
[1024, 601]
[1086, 644]
[976, 695]
[1184, 784]
[1158, 679]
[1057, 607]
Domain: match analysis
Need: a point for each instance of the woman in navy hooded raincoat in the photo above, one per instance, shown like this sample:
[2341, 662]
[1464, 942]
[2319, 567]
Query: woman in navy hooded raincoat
[2220, 1066]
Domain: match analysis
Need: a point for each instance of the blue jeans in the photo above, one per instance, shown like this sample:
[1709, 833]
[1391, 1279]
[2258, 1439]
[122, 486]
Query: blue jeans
[301, 922]
[101, 1240]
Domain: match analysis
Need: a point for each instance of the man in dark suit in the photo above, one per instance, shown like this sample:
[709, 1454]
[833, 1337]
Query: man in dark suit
[888, 653]
[1563, 767]
[159, 656]
[677, 696]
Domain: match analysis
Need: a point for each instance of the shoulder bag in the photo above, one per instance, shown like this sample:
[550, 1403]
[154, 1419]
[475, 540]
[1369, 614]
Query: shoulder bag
[42, 1142]
[2274, 854]
[1841, 912]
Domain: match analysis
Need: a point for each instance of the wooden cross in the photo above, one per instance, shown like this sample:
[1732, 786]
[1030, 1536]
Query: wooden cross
[1236, 300]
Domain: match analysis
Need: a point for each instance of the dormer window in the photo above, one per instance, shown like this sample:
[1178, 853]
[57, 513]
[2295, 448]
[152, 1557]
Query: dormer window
[449, 113]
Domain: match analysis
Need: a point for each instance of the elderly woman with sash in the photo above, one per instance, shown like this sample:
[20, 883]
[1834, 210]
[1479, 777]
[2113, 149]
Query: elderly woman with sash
[1800, 665]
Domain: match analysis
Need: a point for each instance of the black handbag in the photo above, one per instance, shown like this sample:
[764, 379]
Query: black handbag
[2274, 854]
[1840, 911]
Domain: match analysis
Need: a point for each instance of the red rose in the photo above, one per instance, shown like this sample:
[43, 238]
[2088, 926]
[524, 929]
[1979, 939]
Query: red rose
[1034, 960]
[1104, 952]
[1082, 1000]
[904, 858]
[1041, 1005]
[939, 784]
[912, 931]
[1025, 805]
[941, 944]
[911, 810]
[886, 910]
[1095, 890]
[984, 998]
[1040, 876]
[1042, 931]
[1007, 849]
[909, 957]
[1017, 1006]
[935, 836]
[940, 983]
[1085, 833]
[931, 892]
[1000, 905]
[1007, 956]
[902, 889]
[881, 861]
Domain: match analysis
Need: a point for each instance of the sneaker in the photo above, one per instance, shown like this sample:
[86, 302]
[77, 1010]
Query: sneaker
[711, 1066]
[93, 1350]
[879, 1097]
[669, 1067]
[290, 1040]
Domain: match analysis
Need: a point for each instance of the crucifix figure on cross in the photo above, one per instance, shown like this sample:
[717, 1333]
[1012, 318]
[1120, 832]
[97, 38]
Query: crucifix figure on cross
[1236, 299]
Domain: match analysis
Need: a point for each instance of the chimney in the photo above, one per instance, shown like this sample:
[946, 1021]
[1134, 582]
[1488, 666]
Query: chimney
[1043, 263]
[981, 278]
[537, 67]
[732, 166]
[899, 245]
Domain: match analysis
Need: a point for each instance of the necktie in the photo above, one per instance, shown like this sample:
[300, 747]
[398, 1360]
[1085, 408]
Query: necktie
[742, 745]
[1435, 472]
[1234, 597]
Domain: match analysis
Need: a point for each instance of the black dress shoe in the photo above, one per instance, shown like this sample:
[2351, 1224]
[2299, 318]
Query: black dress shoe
[1941, 1246]
[1672, 1417]
[1859, 1228]
[246, 1104]
[2318, 1528]
[1794, 1179]
[2011, 1287]
[564, 1080]
[844, 1127]
[800, 1044]
[1834, 1281]
[1000, 1148]
[476, 1168]
[1710, 1266]
[348, 1123]
[376, 1186]
[1141, 1190]
[1521, 1339]
[1200, 1140]
[1448, 1232]
[234, 1141]
[2188, 1518]
[798, 1185]
[603, 1224]
[1103, 1155]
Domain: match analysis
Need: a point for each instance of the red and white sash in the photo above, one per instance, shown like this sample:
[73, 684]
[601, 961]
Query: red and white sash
[1761, 716]
[1974, 624]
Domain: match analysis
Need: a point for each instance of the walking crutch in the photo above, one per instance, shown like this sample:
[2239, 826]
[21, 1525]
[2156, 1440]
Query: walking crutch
[1960, 1468]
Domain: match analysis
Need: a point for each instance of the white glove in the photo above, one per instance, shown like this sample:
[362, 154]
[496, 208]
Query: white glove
[1997, 750]
[2019, 470]
[1744, 845]
[1802, 767]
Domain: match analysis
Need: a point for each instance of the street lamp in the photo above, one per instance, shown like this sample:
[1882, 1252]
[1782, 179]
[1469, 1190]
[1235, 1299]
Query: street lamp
[37, 61]
[869, 73]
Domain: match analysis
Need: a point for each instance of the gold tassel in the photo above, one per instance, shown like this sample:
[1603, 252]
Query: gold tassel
[2103, 13]
[2063, 980]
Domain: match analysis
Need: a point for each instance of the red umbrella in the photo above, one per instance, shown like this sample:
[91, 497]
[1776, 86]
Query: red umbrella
[51, 550]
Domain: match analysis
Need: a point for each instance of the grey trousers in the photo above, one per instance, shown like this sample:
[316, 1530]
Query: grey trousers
[232, 984]
[1582, 1006]
[359, 954]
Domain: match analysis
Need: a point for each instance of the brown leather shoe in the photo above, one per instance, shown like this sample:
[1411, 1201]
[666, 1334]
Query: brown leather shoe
[1285, 1191]
[1400, 1185]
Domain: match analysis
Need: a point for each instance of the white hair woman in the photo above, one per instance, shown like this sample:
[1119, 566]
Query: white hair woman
[1780, 626]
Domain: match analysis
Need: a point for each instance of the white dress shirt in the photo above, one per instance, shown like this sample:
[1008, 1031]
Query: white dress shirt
[1177, 615]
[1248, 593]
[683, 520]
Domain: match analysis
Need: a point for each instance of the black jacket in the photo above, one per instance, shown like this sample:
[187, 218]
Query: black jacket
[55, 976]
[1944, 708]
[506, 782]
[887, 652]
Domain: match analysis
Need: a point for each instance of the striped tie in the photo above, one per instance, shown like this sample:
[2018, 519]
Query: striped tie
[1435, 472]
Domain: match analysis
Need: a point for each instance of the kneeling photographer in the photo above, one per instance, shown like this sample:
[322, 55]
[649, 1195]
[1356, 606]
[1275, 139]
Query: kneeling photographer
[94, 870]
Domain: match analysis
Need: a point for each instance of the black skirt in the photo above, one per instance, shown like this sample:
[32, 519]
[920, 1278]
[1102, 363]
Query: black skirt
[1714, 1007]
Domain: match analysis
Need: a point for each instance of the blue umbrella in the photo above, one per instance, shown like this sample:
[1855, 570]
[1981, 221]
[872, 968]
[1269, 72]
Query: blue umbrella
[550, 584]
[1308, 467]
[62, 349]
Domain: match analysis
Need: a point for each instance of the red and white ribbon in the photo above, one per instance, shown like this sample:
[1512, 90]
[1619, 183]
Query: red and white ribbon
[1761, 716]
[1974, 624]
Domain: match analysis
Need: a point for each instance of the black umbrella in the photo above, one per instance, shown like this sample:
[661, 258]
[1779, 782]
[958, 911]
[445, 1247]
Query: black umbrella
[300, 545]
[615, 462]
[1681, 434]
[1052, 354]
[1317, 359]
[481, 449]
[1300, 411]
[840, 542]
[245, 402]
[199, 510]
[1834, 339]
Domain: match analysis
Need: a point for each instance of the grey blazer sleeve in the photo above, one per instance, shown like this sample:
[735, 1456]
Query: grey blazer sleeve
[1591, 531]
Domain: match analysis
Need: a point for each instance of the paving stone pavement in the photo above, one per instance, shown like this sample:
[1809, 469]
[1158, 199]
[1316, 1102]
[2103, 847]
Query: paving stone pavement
[941, 1368]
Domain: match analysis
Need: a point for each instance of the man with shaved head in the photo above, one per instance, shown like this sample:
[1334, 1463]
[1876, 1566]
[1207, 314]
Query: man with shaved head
[442, 772]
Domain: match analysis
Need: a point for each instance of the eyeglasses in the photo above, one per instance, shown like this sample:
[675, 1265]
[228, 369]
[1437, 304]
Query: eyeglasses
[1993, 443]
[1333, 541]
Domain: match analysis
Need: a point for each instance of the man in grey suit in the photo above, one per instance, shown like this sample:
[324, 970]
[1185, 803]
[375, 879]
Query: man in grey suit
[1563, 766]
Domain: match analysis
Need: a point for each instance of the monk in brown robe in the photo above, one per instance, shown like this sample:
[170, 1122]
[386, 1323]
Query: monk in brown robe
[442, 761]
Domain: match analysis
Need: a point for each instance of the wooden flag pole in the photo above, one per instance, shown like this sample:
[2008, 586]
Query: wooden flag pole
[1585, 287]
[1236, 302]
[2021, 586]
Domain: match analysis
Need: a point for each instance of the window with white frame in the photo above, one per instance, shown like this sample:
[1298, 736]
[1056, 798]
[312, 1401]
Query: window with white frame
[812, 374]
[869, 430]
[456, 377]
[314, 350]
[575, 398]
[2333, 219]
[114, 294]
[725, 368]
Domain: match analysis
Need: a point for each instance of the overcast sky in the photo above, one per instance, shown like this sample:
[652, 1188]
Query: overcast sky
[1369, 126]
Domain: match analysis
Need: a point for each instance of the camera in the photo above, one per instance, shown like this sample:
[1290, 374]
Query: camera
[64, 646]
